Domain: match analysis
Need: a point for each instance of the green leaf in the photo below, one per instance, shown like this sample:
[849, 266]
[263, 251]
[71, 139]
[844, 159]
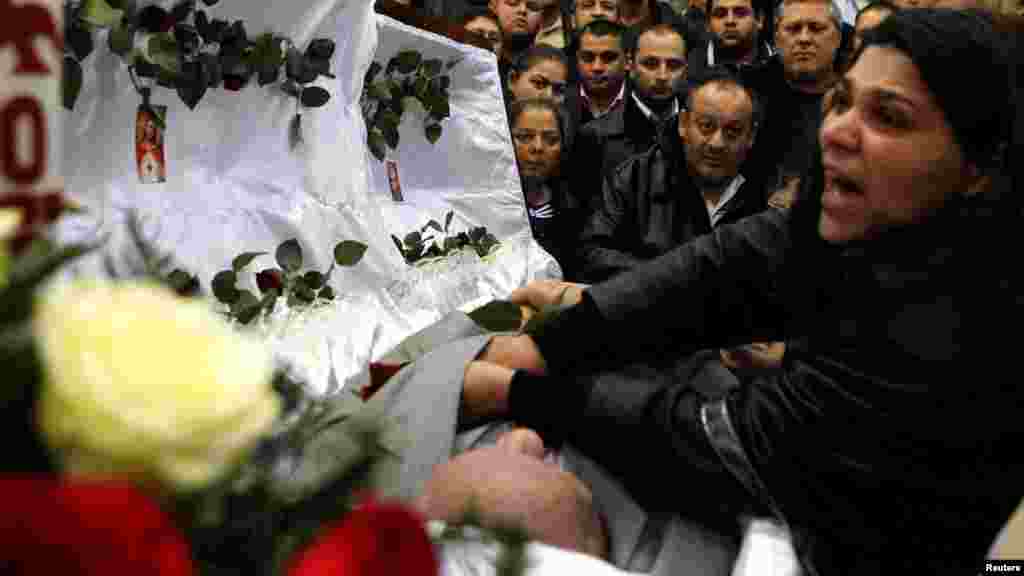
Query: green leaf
[314, 97]
[378, 146]
[451, 244]
[71, 83]
[413, 238]
[289, 255]
[498, 316]
[543, 316]
[448, 220]
[398, 244]
[432, 67]
[243, 260]
[421, 86]
[179, 279]
[440, 108]
[80, 41]
[433, 133]
[223, 285]
[451, 64]
[390, 136]
[327, 293]
[246, 307]
[435, 225]
[314, 279]
[121, 41]
[407, 61]
[99, 13]
[371, 74]
[349, 252]
[380, 90]
[304, 293]
[390, 119]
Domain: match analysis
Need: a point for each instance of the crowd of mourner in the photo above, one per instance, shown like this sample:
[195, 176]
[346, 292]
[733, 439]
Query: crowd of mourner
[819, 197]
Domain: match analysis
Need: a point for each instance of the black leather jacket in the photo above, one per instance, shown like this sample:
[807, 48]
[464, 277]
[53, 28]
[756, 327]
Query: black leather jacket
[650, 206]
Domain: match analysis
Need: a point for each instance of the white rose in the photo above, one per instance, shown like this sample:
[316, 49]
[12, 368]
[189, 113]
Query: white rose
[140, 382]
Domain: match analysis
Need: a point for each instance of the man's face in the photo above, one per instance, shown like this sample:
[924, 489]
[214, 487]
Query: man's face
[517, 16]
[734, 23]
[866, 21]
[601, 64]
[808, 39]
[488, 28]
[718, 132]
[658, 66]
[589, 10]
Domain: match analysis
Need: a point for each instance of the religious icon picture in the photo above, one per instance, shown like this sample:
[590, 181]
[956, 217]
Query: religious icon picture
[149, 145]
[396, 185]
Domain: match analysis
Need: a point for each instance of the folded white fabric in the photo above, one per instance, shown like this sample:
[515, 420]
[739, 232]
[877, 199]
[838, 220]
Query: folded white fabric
[767, 550]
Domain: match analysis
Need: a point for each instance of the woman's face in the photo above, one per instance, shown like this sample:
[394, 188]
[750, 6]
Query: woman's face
[546, 79]
[538, 143]
[889, 154]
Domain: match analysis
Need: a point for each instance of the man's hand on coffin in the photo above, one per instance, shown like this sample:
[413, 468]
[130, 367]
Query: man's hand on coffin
[755, 357]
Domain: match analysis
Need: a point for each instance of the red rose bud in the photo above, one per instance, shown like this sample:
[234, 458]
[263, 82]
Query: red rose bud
[373, 539]
[233, 83]
[380, 373]
[167, 23]
[270, 279]
[89, 528]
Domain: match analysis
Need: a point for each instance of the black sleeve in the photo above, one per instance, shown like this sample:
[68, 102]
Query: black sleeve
[708, 293]
[603, 243]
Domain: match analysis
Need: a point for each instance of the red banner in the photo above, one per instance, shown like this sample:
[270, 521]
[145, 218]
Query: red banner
[31, 57]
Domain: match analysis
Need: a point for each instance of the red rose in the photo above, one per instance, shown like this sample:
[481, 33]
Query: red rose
[270, 279]
[52, 526]
[376, 538]
[380, 373]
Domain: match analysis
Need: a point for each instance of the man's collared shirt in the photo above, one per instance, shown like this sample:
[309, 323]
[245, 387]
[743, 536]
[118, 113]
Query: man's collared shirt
[619, 99]
[718, 210]
[650, 115]
[552, 35]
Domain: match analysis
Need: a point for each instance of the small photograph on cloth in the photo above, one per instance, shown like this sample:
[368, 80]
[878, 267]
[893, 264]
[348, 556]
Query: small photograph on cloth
[393, 181]
[149, 145]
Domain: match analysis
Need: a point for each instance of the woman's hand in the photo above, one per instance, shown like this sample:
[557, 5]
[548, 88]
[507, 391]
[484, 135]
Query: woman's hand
[485, 388]
[541, 293]
[757, 356]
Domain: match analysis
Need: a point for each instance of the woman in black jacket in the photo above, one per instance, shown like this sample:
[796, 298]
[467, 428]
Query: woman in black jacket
[538, 134]
[888, 442]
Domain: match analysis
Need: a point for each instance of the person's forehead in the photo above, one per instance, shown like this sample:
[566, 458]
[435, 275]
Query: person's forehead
[732, 4]
[725, 101]
[482, 23]
[663, 44]
[806, 12]
[608, 42]
[550, 69]
[597, 3]
[536, 119]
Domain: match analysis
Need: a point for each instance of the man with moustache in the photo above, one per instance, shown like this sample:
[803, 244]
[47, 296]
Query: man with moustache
[519, 21]
[685, 185]
[656, 63]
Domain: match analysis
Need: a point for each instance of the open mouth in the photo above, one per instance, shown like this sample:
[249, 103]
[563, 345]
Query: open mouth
[840, 191]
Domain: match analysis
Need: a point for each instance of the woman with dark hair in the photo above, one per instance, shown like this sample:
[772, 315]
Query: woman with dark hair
[888, 442]
[538, 135]
[539, 72]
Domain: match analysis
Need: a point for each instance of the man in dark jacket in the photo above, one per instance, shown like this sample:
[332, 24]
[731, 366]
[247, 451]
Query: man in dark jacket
[686, 184]
[808, 36]
[734, 36]
[656, 63]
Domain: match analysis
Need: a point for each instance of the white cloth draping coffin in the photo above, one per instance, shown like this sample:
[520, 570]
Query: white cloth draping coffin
[234, 185]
